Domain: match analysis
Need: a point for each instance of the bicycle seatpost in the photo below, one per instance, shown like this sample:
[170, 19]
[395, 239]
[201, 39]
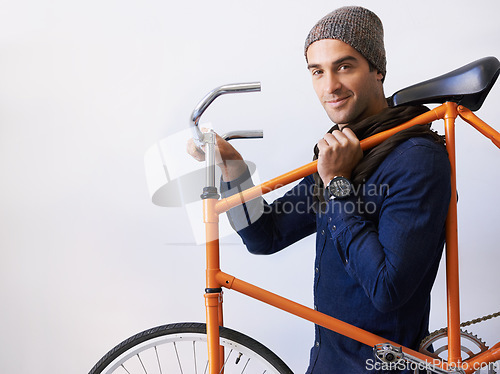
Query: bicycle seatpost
[208, 139]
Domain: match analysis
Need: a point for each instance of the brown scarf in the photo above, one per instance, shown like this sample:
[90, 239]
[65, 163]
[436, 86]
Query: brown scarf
[386, 119]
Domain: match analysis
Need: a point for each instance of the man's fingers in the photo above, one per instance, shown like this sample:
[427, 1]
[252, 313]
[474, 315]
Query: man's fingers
[322, 145]
[335, 139]
[341, 138]
[194, 151]
[350, 135]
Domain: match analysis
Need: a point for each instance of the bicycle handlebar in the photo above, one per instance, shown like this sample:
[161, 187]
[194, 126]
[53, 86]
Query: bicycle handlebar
[210, 97]
[245, 134]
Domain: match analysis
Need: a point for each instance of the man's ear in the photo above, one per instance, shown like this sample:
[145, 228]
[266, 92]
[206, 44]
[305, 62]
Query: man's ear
[380, 76]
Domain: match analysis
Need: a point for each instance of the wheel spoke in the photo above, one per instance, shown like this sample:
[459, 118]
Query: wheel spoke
[142, 364]
[178, 359]
[246, 364]
[158, 360]
[194, 357]
[225, 362]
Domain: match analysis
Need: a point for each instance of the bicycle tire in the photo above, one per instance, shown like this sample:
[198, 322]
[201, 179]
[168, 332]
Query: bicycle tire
[167, 349]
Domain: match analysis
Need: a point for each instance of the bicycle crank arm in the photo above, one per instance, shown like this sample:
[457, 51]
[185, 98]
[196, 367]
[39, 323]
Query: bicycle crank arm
[394, 356]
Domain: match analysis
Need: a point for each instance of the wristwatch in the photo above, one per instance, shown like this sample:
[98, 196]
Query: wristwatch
[338, 188]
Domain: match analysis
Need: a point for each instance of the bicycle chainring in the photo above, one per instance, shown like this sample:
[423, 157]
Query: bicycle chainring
[471, 345]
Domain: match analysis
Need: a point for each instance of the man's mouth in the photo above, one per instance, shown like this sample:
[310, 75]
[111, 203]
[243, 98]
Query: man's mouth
[337, 102]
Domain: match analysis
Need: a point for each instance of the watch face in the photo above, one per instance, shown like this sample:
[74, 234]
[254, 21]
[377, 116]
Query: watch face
[340, 187]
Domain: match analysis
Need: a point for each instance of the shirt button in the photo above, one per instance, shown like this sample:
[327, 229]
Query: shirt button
[315, 307]
[317, 270]
[329, 219]
[334, 227]
[346, 261]
[322, 232]
[317, 344]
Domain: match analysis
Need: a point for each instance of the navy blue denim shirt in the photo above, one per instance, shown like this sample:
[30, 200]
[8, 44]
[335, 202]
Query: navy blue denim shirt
[377, 251]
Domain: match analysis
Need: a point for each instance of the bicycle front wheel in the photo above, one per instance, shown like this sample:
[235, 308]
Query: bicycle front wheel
[182, 348]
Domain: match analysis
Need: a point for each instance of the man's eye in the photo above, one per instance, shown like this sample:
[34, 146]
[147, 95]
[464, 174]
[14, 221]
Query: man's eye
[317, 72]
[343, 67]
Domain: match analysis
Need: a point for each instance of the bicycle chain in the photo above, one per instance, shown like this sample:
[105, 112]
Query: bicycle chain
[463, 324]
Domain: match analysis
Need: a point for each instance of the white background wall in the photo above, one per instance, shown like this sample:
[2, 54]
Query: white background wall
[86, 87]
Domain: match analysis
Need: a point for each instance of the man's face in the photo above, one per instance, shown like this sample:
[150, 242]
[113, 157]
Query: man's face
[342, 79]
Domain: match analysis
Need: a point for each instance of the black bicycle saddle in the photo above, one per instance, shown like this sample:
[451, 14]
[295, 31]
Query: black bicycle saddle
[467, 86]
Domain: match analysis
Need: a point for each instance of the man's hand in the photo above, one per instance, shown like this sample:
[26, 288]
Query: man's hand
[339, 153]
[227, 157]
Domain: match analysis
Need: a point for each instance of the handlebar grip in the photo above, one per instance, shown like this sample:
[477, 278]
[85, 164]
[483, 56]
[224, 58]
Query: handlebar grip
[210, 97]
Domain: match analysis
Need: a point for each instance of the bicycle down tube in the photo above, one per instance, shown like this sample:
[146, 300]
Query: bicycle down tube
[216, 279]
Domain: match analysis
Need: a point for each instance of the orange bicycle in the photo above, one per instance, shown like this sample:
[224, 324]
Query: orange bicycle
[213, 348]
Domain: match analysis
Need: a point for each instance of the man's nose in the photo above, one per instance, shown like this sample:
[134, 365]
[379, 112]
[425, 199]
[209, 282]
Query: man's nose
[332, 84]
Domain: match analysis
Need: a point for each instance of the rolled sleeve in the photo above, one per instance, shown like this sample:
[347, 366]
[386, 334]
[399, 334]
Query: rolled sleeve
[245, 214]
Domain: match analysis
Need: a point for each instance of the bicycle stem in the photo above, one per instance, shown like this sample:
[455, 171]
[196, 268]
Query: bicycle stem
[208, 139]
[210, 97]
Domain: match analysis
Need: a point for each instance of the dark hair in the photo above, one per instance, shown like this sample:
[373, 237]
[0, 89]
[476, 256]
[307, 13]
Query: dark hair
[372, 68]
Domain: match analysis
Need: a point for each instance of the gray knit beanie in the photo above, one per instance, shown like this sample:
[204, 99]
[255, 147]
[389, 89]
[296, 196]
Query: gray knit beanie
[356, 26]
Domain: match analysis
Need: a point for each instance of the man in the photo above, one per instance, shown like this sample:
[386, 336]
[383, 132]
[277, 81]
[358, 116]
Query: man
[379, 215]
